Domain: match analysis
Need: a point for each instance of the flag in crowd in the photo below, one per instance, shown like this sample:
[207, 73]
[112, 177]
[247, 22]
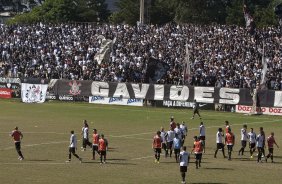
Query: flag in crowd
[155, 70]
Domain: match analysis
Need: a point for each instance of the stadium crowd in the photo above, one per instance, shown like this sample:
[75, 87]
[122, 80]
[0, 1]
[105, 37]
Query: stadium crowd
[220, 55]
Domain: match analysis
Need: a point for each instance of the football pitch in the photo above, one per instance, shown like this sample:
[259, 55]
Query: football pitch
[130, 158]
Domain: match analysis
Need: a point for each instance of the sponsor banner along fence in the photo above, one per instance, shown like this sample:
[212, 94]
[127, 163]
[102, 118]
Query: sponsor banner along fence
[33, 93]
[259, 110]
[69, 98]
[182, 104]
[115, 101]
[14, 84]
[5, 93]
[209, 95]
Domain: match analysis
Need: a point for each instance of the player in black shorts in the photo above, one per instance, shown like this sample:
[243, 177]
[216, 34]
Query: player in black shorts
[219, 142]
[196, 109]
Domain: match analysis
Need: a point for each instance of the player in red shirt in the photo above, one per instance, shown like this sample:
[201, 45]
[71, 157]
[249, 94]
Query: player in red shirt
[103, 146]
[229, 141]
[198, 150]
[95, 142]
[227, 126]
[172, 123]
[270, 142]
[17, 136]
[157, 146]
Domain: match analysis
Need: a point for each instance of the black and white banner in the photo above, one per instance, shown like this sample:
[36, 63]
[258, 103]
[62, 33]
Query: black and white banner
[265, 98]
[33, 93]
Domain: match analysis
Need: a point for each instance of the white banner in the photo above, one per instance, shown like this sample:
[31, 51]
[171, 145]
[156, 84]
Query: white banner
[33, 93]
[278, 99]
[260, 110]
[115, 101]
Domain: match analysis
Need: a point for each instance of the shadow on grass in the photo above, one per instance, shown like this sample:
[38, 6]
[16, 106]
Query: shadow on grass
[276, 162]
[117, 159]
[109, 163]
[39, 160]
[208, 183]
[219, 168]
[243, 159]
[112, 149]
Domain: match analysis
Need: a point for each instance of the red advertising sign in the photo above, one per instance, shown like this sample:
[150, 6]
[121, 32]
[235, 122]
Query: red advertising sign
[259, 110]
[5, 93]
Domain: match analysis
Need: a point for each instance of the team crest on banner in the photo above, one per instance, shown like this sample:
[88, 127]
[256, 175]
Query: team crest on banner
[74, 88]
[33, 93]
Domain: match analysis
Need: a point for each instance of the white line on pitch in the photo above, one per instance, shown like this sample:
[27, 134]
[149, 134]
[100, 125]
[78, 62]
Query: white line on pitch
[39, 144]
[35, 163]
[216, 126]
[150, 110]
[131, 134]
[140, 158]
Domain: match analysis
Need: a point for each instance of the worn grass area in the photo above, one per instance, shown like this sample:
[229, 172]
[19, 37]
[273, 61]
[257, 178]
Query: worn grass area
[129, 131]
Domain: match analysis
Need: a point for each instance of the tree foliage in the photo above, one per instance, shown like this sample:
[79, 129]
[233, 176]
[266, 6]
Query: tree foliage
[128, 12]
[66, 11]
[156, 11]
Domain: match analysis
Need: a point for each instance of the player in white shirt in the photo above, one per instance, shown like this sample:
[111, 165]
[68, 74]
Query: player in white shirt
[73, 147]
[184, 158]
[164, 141]
[184, 130]
[169, 139]
[219, 142]
[244, 138]
[202, 130]
[85, 136]
[178, 131]
[260, 145]
[252, 141]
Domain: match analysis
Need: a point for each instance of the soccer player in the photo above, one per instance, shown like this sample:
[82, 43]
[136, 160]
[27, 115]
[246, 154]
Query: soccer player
[229, 141]
[73, 147]
[196, 107]
[170, 137]
[244, 138]
[164, 142]
[177, 146]
[202, 131]
[17, 136]
[85, 136]
[198, 150]
[270, 142]
[252, 141]
[178, 131]
[172, 123]
[263, 146]
[103, 146]
[184, 130]
[95, 142]
[184, 158]
[219, 142]
[227, 126]
[260, 144]
[157, 146]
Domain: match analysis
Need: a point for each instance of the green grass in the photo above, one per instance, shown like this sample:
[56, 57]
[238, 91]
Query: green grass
[129, 131]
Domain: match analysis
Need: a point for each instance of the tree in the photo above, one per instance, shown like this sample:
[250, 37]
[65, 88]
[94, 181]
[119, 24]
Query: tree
[66, 11]
[261, 10]
[235, 13]
[128, 12]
